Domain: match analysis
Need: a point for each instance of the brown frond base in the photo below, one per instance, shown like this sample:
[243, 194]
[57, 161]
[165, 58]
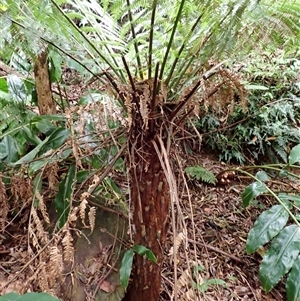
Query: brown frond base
[150, 200]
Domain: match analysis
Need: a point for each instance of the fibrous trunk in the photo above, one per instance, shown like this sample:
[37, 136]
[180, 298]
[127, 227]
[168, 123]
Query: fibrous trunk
[150, 195]
[150, 199]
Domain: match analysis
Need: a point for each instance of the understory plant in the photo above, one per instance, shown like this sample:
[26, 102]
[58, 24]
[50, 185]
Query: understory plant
[279, 225]
[267, 129]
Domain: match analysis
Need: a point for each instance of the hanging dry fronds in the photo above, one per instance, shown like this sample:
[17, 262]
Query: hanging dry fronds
[68, 249]
[52, 175]
[92, 218]
[42, 207]
[231, 94]
[178, 241]
[21, 188]
[36, 227]
[82, 208]
[55, 265]
[4, 207]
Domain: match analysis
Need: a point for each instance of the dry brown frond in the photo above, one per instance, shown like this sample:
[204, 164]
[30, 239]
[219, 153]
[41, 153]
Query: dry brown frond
[128, 104]
[73, 216]
[68, 249]
[52, 175]
[54, 266]
[185, 288]
[4, 207]
[42, 207]
[92, 218]
[144, 89]
[43, 277]
[36, 229]
[231, 94]
[82, 208]
[184, 282]
[21, 188]
[177, 242]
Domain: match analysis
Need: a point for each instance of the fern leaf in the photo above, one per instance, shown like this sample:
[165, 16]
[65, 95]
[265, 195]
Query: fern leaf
[201, 173]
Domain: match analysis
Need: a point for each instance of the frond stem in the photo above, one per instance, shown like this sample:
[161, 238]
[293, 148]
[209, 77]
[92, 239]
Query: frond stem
[128, 73]
[153, 100]
[151, 37]
[86, 39]
[190, 94]
[171, 39]
[136, 48]
[181, 50]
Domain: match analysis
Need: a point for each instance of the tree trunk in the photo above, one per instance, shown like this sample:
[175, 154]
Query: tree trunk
[150, 199]
[42, 82]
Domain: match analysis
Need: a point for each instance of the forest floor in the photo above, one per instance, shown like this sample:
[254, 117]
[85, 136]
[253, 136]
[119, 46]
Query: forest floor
[211, 236]
[212, 228]
[217, 231]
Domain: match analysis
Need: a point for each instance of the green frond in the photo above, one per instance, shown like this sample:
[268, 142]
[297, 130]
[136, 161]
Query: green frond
[201, 173]
[180, 35]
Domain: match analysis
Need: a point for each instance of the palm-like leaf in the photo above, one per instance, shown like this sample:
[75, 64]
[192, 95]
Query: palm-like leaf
[180, 35]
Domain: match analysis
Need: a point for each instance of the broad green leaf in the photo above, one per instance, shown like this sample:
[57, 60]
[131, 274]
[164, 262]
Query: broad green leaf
[4, 89]
[32, 154]
[82, 175]
[30, 136]
[45, 126]
[39, 118]
[141, 250]
[8, 149]
[90, 98]
[55, 67]
[112, 185]
[280, 257]
[256, 87]
[268, 225]
[63, 197]
[9, 297]
[294, 156]
[252, 191]
[16, 88]
[3, 85]
[292, 282]
[3, 149]
[28, 297]
[262, 176]
[56, 139]
[38, 164]
[126, 267]
[289, 197]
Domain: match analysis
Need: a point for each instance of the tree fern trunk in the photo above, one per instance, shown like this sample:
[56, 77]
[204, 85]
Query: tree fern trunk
[150, 199]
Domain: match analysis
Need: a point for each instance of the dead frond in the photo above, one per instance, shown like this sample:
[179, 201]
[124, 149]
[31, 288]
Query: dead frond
[4, 207]
[92, 218]
[68, 248]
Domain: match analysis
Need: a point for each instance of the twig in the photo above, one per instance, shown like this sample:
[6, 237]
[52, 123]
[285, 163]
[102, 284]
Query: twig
[216, 250]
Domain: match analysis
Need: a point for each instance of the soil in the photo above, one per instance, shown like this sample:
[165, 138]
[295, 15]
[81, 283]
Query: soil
[217, 228]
